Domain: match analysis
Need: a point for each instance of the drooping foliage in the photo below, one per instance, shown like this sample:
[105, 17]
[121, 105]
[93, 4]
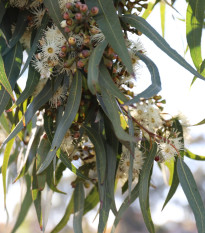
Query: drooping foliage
[79, 104]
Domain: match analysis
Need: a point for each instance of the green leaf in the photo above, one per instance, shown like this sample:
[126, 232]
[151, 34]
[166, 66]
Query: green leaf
[144, 187]
[109, 23]
[39, 101]
[200, 123]
[126, 203]
[149, 9]
[111, 109]
[97, 141]
[162, 14]
[34, 46]
[7, 153]
[112, 145]
[132, 154]
[49, 127]
[64, 158]
[79, 197]
[20, 28]
[2, 10]
[30, 153]
[107, 82]
[194, 26]
[4, 80]
[36, 196]
[174, 185]
[91, 200]
[93, 66]
[191, 155]
[69, 210]
[31, 83]
[153, 35]
[12, 61]
[155, 87]
[55, 13]
[4, 123]
[190, 189]
[71, 110]
[27, 201]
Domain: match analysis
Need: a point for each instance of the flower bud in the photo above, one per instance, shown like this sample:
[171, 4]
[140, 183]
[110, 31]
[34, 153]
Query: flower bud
[78, 4]
[71, 40]
[83, 8]
[69, 5]
[94, 11]
[66, 15]
[78, 16]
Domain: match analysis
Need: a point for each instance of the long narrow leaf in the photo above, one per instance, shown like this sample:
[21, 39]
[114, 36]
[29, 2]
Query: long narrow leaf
[174, 185]
[126, 203]
[191, 155]
[194, 26]
[20, 27]
[40, 100]
[144, 188]
[35, 42]
[55, 13]
[93, 66]
[100, 152]
[12, 62]
[109, 23]
[69, 210]
[7, 153]
[31, 83]
[155, 87]
[111, 109]
[79, 197]
[153, 35]
[107, 82]
[190, 189]
[27, 201]
[71, 109]
[4, 80]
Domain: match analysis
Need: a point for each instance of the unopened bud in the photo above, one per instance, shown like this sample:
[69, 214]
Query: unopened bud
[66, 15]
[69, 5]
[94, 11]
[78, 16]
[71, 41]
[83, 8]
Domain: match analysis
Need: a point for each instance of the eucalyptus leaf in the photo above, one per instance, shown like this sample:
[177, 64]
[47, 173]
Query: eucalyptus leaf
[144, 27]
[190, 189]
[109, 23]
[71, 109]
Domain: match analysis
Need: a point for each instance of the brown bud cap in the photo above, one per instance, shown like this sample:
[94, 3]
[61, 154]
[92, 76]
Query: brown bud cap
[69, 22]
[75, 157]
[94, 11]
[62, 54]
[45, 136]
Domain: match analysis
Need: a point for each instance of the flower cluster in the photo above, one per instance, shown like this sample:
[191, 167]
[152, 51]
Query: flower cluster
[68, 49]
